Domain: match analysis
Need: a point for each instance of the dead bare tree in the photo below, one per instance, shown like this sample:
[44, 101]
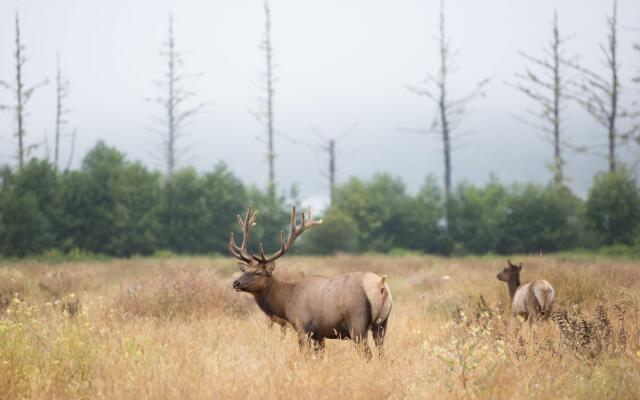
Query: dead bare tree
[23, 94]
[72, 150]
[636, 80]
[264, 115]
[62, 93]
[174, 102]
[600, 94]
[548, 86]
[328, 146]
[450, 110]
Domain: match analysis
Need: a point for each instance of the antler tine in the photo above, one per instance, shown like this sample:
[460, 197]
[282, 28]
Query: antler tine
[318, 222]
[295, 232]
[261, 248]
[293, 220]
[241, 252]
[232, 245]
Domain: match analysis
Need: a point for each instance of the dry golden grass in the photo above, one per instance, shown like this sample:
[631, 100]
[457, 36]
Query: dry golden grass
[173, 329]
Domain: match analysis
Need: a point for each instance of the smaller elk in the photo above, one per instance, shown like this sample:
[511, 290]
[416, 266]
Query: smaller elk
[342, 307]
[533, 300]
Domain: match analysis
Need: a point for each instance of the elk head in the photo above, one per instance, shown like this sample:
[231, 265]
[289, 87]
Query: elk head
[511, 272]
[257, 269]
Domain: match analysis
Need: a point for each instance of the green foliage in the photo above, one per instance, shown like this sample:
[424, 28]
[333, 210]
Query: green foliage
[183, 206]
[376, 207]
[613, 207]
[476, 214]
[225, 196]
[338, 233]
[273, 216]
[28, 204]
[386, 217]
[621, 250]
[198, 212]
[111, 205]
[423, 221]
[139, 227]
[539, 219]
[114, 207]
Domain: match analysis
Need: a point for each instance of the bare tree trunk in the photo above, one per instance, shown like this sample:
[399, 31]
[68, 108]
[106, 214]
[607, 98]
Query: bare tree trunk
[171, 101]
[444, 122]
[634, 135]
[62, 92]
[19, 95]
[22, 95]
[558, 174]
[72, 150]
[450, 110]
[268, 52]
[615, 85]
[600, 95]
[56, 148]
[332, 170]
[548, 89]
[175, 114]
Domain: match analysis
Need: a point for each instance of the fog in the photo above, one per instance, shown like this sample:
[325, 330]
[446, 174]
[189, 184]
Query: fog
[339, 65]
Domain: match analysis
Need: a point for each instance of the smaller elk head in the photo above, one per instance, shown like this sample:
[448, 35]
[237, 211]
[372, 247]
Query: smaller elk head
[257, 270]
[510, 273]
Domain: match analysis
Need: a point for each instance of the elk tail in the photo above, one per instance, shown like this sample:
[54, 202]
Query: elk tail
[383, 313]
[545, 296]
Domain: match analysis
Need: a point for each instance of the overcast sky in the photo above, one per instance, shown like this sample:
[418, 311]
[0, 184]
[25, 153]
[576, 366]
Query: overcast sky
[339, 64]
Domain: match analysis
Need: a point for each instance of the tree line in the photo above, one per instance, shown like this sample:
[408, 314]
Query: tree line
[116, 207]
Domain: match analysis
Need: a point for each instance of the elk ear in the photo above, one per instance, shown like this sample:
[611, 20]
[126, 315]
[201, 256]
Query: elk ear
[270, 267]
[243, 266]
[520, 267]
[509, 263]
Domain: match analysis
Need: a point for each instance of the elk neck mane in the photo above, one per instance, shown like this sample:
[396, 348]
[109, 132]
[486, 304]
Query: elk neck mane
[514, 284]
[273, 299]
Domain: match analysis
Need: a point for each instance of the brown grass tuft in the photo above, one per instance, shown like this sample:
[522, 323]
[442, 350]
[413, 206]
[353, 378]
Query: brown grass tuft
[179, 294]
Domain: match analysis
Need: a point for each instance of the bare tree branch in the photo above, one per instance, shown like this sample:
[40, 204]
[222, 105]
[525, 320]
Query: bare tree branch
[600, 95]
[174, 102]
[549, 93]
[62, 93]
[22, 96]
[450, 110]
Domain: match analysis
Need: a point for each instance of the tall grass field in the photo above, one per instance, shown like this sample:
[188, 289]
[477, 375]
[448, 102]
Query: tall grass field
[172, 328]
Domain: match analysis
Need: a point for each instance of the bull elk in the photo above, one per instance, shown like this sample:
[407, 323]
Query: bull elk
[342, 307]
[533, 300]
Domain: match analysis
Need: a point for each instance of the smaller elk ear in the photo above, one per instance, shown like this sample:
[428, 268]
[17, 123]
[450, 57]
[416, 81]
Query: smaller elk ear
[270, 267]
[520, 267]
[243, 266]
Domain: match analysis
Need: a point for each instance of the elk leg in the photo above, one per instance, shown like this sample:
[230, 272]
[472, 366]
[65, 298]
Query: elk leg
[281, 322]
[303, 340]
[359, 336]
[378, 331]
[318, 345]
[365, 347]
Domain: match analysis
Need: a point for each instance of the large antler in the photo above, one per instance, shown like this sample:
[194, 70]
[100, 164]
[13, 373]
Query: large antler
[295, 232]
[241, 253]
